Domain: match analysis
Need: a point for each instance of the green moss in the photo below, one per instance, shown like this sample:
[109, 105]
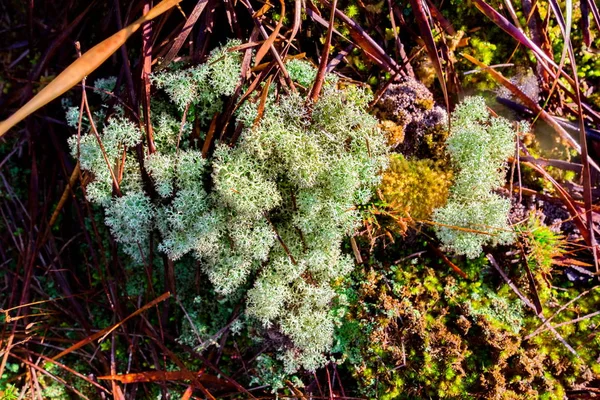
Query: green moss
[414, 188]
[460, 339]
[542, 243]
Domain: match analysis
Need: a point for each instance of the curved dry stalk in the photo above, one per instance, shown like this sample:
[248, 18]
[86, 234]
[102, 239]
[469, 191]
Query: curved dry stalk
[528, 303]
[422, 17]
[82, 67]
[318, 83]
[531, 105]
[266, 46]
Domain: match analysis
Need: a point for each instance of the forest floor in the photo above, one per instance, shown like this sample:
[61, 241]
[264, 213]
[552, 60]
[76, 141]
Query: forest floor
[299, 199]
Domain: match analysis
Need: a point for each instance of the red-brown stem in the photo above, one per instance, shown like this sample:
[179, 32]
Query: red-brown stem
[316, 89]
[147, 54]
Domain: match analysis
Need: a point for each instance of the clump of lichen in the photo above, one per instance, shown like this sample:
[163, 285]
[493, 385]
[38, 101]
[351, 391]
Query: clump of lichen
[475, 215]
[302, 72]
[409, 116]
[265, 219]
[414, 188]
[321, 165]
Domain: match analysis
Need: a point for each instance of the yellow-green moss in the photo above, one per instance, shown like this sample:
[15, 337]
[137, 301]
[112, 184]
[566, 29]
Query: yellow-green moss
[394, 132]
[415, 187]
[427, 334]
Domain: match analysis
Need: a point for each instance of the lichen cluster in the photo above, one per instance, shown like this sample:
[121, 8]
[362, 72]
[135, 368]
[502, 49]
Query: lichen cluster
[410, 117]
[318, 163]
[268, 215]
[475, 215]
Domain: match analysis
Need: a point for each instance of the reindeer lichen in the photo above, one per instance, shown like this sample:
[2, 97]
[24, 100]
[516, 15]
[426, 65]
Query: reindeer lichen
[266, 217]
[475, 215]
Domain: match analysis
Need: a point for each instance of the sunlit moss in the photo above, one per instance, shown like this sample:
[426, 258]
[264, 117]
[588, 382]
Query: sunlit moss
[415, 187]
[460, 339]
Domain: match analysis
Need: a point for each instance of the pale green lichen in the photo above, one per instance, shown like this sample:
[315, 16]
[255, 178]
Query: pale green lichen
[267, 217]
[474, 215]
[205, 84]
[301, 71]
[130, 219]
